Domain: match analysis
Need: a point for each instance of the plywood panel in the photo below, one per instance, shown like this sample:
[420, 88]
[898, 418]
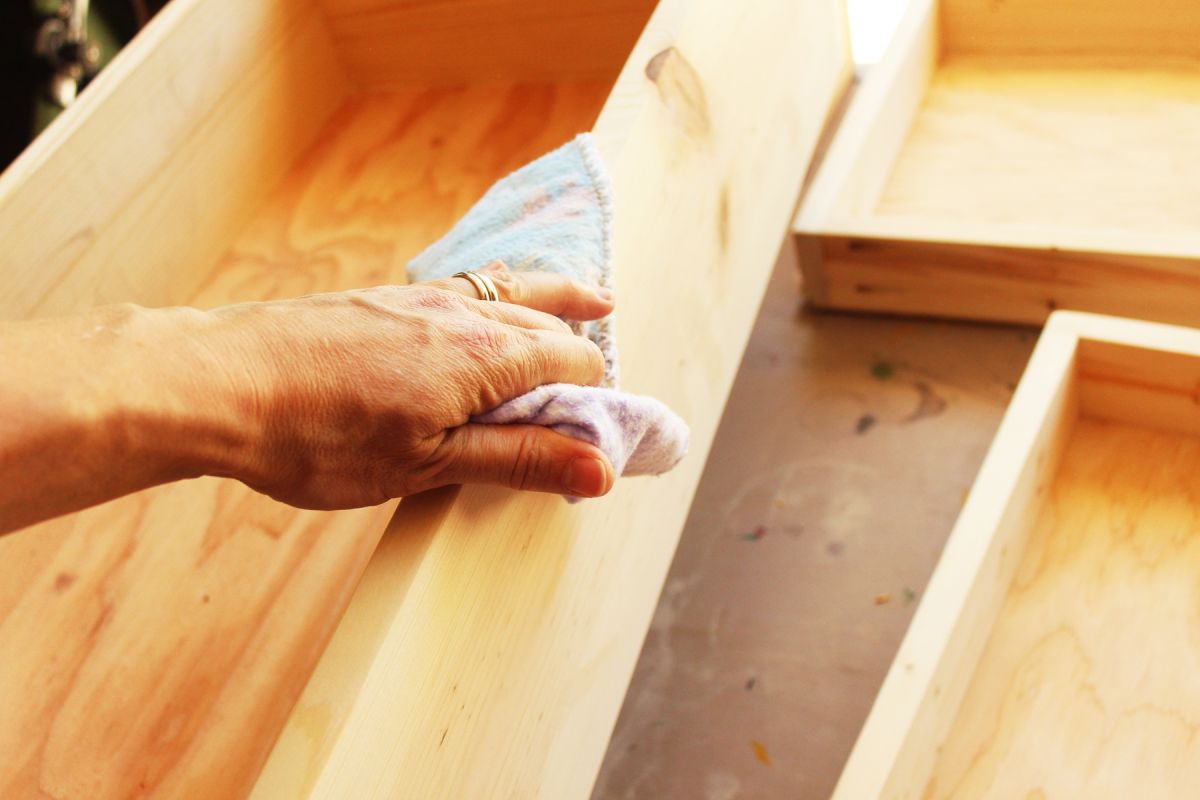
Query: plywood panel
[133, 192]
[388, 43]
[1042, 143]
[499, 667]
[155, 644]
[1088, 686]
[1090, 27]
[1024, 172]
[1003, 282]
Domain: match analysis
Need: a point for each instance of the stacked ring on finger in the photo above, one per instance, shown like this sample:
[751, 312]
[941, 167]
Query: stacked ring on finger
[482, 283]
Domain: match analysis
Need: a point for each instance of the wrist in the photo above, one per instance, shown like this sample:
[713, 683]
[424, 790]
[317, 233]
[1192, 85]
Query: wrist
[175, 409]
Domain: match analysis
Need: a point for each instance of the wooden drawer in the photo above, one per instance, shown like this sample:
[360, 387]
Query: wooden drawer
[155, 646]
[1007, 159]
[1053, 654]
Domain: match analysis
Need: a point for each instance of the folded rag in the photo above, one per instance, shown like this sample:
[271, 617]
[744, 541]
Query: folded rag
[639, 434]
[555, 215]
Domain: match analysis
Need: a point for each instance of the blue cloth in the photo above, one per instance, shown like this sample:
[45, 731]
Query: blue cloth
[556, 215]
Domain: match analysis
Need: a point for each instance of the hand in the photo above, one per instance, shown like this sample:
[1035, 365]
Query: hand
[352, 398]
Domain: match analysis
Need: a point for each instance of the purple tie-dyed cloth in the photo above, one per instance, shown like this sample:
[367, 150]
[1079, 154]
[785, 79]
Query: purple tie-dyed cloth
[555, 215]
[639, 434]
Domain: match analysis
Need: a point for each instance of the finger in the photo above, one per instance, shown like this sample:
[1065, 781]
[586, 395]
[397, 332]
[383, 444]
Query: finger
[519, 316]
[528, 457]
[557, 358]
[504, 312]
[554, 294]
[558, 295]
[506, 362]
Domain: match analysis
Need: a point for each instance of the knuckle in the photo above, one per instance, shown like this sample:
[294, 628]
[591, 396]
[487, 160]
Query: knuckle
[512, 287]
[433, 298]
[488, 339]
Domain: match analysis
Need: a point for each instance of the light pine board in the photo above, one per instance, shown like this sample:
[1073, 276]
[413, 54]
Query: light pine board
[1126, 28]
[133, 192]
[390, 43]
[495, 664]
[992, 167]
[154, 645]
[1088, 686]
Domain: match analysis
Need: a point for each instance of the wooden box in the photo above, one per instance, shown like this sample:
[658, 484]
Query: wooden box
[1010, 158]
[1055, 653]
[165, 644]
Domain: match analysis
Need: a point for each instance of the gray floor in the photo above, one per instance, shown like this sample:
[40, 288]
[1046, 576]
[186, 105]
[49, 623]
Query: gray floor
[846, 450]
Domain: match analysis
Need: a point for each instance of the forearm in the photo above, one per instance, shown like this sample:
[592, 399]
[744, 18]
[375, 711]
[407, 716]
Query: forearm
[100, 405]
[328, 401]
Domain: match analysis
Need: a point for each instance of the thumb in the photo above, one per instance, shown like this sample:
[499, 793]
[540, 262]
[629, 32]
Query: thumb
[525, 457]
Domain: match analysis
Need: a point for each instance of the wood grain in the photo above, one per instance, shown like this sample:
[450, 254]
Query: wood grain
[154, 645]
[133, 192]
[1107, 28]
[999, 183]
[390, 43]
[957, 276]
[1008, 142]
[497, 666]
[1088, 685]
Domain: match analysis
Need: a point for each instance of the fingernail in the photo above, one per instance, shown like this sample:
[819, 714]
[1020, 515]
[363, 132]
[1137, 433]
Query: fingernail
[586, 477]
[605, 293]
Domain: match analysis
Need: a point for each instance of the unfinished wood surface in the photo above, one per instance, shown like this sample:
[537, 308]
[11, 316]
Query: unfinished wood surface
[133, 192]
[1019, 142]
[154, 645]
[1088, 686]
[389, 43]
[496, 667]
[1157, 389]
[1121, 28]
[875, 126]
[1023, 281]
[977, 176]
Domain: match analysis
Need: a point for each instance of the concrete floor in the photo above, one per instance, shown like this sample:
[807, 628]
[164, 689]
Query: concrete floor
[845, 453]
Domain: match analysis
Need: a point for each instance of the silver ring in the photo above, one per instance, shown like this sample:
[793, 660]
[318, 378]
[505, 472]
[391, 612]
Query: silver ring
[483, 285]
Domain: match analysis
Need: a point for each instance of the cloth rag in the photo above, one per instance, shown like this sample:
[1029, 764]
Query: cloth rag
[555, 214]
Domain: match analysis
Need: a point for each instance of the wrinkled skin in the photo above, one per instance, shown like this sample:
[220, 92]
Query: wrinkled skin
[327, 401]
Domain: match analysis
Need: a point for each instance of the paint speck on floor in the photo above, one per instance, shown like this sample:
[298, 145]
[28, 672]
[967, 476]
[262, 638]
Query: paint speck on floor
[929, 403]
[760, 752]
[865, 423]
[753, 536]
[882, 371]
[883, 598]
[800, 607]
[909, 595]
